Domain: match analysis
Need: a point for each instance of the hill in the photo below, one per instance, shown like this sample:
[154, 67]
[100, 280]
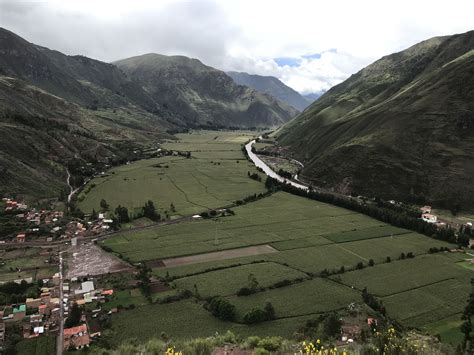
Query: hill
[203, 96]
[272, 86]
[400, 128]
[58, 110]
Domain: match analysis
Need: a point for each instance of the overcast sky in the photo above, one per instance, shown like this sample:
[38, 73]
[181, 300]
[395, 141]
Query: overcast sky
[310, 45]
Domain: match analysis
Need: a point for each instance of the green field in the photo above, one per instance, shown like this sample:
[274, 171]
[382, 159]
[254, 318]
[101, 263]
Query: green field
[229, 281]
[306, 239]
[214, 176]
[43, 345]
[28, 261]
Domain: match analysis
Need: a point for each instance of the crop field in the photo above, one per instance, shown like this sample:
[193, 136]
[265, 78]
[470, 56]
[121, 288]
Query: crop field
[428, 304]
[214, 176]
[287, 244]
[229, 281]
[403, 275]
[25, 263]
[305, 298]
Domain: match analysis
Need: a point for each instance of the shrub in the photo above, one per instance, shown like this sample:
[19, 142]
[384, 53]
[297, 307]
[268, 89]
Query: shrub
[371, 262]
[255, 316]
[245, 291]
[270, 343]
[222, 309]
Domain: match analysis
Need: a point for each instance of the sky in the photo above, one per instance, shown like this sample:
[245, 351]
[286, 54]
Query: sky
[310, 45]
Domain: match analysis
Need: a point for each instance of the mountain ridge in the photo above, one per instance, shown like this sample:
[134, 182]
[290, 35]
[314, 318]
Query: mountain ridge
[397, 128]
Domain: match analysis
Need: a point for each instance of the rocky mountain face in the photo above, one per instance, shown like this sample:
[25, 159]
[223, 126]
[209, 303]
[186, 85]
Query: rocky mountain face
[274, 87]
[400, 128]
[203, 96]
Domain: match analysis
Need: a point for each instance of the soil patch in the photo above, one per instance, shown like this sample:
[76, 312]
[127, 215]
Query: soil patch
[214, 256]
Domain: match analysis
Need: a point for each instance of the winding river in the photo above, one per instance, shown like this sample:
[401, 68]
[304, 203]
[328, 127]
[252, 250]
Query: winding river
[267, 170]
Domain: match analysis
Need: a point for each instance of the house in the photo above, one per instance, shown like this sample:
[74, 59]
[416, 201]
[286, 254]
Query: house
[86, 287]
[19, 312]
[430, 218]
[425, 209]
[20, 238]
[107, 292]
[33, 302]
[76, 337]
[44, 309]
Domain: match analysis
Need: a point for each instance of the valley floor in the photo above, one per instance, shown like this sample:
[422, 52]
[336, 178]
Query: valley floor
[315, 257]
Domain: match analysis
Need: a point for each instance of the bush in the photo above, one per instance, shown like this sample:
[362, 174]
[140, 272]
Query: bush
[222, 309]
[245, 291]
[270, 343]
[255, 316]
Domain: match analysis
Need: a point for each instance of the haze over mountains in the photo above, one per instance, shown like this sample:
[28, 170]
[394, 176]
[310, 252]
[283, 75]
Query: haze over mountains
[400, 128]
[275, 88]
[57, 107]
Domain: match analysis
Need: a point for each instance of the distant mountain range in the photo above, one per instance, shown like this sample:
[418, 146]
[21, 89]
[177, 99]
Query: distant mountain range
[274, 87]
[400, 128]
[56, 109]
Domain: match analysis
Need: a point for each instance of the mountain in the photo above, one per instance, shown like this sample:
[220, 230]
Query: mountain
[61, 111]
[271, 86]
[313, 96]
[400, 128]
[199, 95]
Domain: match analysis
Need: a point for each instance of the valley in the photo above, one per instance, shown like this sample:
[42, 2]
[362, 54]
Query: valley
[156, 204]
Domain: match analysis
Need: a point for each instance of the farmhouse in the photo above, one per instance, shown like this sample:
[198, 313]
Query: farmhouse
[425, 209]
[430, 218]
[20, 238]
[76, 337]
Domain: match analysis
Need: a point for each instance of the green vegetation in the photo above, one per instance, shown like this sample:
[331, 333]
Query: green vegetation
[211, 178]
[357, 139]
[43, 345]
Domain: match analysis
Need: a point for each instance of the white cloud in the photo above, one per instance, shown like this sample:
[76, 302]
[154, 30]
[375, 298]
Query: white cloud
[240, 35]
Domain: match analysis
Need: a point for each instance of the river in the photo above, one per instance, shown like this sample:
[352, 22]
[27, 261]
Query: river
[267, 170]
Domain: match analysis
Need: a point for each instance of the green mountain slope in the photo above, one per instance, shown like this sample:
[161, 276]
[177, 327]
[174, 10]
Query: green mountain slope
[272, 86]
[400, 128]
[200, 95]
[57, 110]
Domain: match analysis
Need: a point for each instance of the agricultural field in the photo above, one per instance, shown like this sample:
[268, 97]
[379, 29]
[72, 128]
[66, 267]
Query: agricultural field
[305, 237]
[26, 263]
[214, 176]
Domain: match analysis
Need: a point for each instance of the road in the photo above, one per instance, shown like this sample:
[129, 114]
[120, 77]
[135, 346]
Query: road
[60, 341]
[267, 170]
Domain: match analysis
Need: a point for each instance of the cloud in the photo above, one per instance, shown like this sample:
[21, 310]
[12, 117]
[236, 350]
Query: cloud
[289, 40]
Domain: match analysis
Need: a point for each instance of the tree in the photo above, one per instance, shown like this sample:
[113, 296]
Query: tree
[253, 283]
[149, 211]
[332, 326]
[222, 309]
[269, 310]
[172, 208]
[74, 316]
[94, 214]
[255, 316]
[122, 214]
[104, 205]
[371, 262]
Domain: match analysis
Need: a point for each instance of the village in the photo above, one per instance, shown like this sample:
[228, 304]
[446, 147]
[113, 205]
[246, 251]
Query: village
[75, 302]
[43, 301]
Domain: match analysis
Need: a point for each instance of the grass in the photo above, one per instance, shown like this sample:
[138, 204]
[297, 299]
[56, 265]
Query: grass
[309, 237]
[230, 280]
[305, 298]
[425, 305]
[126, 298]
[215, 176]
[281, 217]
[448, 329]
[367, 233]
[42, 345]
[403, 275]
